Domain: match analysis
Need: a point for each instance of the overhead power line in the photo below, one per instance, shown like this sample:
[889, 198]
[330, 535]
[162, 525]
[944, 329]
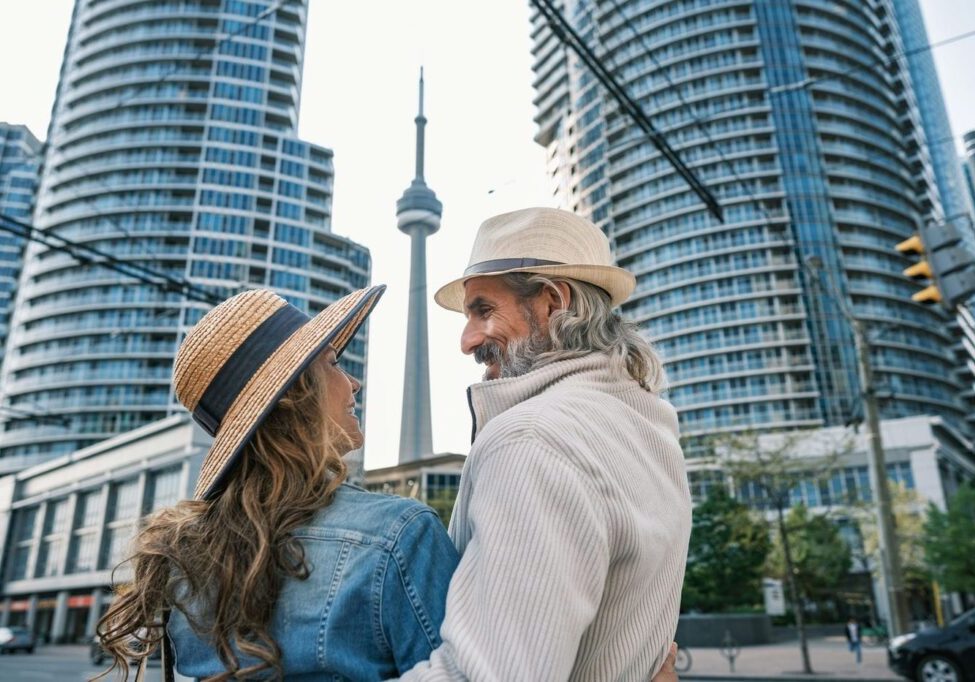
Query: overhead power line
[137, 89]
[568, 36]
[93, 256]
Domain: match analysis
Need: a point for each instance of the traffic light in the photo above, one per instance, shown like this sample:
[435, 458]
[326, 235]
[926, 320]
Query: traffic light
[920, 271]
[944, 261]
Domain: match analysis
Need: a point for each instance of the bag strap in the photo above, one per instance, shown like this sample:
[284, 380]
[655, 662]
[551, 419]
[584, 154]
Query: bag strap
[167, 650]
[167, 655]
[140, 674]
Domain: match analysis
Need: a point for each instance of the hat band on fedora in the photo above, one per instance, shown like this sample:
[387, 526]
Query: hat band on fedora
[243, 363]
[507, 264]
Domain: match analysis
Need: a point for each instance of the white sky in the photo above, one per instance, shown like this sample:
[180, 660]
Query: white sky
[359, 99]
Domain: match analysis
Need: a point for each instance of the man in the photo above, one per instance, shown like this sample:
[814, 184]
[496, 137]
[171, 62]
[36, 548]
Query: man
[573, 514]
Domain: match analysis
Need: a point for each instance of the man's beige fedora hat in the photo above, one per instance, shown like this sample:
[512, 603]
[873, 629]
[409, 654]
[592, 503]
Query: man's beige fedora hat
[243, 355]
[546, 241]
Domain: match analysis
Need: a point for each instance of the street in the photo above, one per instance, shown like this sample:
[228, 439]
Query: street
[59, 664]
[830, 659]
[829, 655]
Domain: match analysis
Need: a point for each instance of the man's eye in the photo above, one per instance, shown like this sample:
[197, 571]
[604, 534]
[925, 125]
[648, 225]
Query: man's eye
[483, 311]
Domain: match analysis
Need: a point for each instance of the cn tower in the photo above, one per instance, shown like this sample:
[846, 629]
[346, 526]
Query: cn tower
[418, 215]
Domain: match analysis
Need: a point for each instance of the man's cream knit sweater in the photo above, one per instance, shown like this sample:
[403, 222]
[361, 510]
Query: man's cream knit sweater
[572, 522]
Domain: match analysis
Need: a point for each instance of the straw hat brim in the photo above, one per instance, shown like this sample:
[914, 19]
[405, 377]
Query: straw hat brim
[335, 326]
[617, 282]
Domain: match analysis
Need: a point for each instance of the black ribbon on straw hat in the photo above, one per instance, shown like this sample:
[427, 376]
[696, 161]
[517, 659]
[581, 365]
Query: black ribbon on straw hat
[240, 367]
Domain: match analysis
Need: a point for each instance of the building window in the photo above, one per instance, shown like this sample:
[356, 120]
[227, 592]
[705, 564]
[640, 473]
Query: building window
[52, 542]
[123, 512]
[165, 488]
[83, 553]
[25, 527]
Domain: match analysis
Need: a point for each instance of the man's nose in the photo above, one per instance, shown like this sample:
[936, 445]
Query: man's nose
[471, 338]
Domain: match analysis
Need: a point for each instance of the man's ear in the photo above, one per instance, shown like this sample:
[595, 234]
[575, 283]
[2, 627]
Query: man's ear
[556, 297]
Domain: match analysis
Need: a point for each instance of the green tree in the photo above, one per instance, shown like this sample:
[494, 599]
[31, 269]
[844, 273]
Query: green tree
[726, 556]
[442, 501]
[949, 546]
[909, 520]
[773, 466]
[820, 557]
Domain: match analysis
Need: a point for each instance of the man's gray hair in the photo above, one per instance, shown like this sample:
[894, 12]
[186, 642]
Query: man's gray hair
[588, 324]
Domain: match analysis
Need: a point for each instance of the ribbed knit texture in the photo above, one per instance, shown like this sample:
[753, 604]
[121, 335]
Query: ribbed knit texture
[572, 520]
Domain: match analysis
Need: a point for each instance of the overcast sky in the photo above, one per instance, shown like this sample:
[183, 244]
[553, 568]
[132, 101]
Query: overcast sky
[359, 98]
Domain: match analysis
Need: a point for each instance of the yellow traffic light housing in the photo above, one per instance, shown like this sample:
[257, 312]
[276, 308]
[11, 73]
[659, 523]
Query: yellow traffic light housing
[920, 271]
[929, 294]
[912, 245]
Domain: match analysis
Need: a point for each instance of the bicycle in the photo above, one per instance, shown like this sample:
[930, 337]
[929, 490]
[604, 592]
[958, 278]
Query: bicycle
[874, 636]
[683, 663]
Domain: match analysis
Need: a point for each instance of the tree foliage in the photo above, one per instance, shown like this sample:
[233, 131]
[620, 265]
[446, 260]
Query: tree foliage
[909, 521]
[949, 546]
[442, 501]
[820, 556]
[727, 553]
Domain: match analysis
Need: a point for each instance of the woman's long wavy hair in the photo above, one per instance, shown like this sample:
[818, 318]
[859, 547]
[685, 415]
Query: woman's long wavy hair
[225, 560]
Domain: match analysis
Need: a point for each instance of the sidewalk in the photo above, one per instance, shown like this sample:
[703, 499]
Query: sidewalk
[830, 658]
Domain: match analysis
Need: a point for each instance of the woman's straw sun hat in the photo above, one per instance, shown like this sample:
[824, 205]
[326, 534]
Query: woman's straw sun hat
[545, 241]
[238, 361]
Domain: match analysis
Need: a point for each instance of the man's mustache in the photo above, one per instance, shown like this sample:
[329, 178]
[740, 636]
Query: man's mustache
[488, 353]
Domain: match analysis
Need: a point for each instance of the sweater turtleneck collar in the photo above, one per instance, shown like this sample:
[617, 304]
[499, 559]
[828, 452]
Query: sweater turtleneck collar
[488, 399]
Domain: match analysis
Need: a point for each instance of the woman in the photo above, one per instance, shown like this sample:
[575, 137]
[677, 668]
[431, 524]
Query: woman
[277, 568]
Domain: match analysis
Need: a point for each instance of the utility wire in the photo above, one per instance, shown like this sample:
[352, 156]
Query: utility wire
[137, 89]
[138, 272]
[568, 36]
[91, 255]
[799, 84]
[842, 305]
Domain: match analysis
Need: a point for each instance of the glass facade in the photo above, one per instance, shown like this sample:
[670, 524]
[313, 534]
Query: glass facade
[934, 117]
[779, 109]
[19, 163]
[172, 145]
[968, 167]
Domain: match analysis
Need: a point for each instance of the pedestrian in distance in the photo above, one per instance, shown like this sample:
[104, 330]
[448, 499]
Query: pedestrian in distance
[853, 639]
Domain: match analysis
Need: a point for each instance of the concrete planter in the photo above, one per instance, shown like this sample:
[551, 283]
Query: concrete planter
[708, 629]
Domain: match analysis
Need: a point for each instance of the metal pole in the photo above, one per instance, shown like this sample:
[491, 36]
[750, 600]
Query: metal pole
[886, 536]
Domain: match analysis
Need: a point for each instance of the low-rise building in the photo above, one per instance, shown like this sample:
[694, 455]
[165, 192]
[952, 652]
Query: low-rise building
[66, 524]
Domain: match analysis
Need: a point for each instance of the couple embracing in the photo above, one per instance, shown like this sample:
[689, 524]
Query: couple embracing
[566, 549]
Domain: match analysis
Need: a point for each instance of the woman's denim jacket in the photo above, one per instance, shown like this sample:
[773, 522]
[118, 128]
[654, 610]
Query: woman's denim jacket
[373, 604]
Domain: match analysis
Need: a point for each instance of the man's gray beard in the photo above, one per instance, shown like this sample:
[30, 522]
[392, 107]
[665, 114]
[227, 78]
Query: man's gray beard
[520, 355]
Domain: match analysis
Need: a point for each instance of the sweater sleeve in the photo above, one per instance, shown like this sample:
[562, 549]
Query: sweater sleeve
[531, 578]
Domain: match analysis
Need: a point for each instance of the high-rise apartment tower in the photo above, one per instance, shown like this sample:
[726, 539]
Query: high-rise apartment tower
[19, 163]
[172, 144]
[804, 122]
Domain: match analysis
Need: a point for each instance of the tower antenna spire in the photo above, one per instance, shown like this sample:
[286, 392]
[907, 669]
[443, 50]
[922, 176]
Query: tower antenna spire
[421, 123]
